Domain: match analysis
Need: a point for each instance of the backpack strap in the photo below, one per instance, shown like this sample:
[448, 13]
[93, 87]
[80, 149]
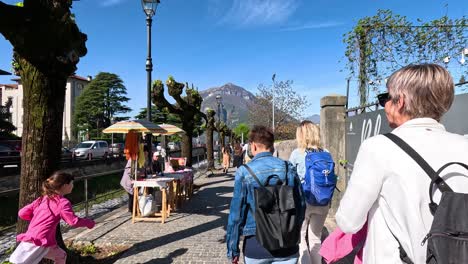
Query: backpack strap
[441, 184]
[403, 256]
[253, 174]
[431, 187]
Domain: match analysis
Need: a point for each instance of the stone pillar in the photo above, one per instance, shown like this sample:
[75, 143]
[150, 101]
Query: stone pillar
[332, 129]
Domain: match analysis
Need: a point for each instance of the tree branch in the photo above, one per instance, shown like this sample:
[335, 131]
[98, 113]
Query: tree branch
[175, 90]
[12, 19]
[160, 101]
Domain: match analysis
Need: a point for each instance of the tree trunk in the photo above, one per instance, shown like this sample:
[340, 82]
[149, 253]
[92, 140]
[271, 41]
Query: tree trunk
[187, 147]
[209, 147]
[43, 102]
[362, 68]
[222, 137]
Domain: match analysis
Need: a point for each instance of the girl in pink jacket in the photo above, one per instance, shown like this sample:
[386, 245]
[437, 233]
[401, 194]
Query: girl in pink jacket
[45, 214]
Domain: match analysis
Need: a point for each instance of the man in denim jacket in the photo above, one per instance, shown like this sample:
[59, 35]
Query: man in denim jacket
[242, 212]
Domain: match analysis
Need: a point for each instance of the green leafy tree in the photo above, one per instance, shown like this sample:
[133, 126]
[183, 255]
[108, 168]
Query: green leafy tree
[100, 101]
[164, 116]
[157, 116]
[289, 106]
[47, 45]
[380, 44]
[241, 131]
[187, 108]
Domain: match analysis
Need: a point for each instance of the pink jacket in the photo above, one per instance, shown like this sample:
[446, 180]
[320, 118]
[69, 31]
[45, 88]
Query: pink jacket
[338, 245]
[45, 214]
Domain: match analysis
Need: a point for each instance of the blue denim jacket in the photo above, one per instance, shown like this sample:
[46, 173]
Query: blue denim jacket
[241, 215]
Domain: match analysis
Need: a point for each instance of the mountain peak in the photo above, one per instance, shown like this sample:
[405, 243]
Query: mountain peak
[235, 102]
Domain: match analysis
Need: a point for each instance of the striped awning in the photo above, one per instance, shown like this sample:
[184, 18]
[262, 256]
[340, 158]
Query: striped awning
[171, 129]
[139, 126]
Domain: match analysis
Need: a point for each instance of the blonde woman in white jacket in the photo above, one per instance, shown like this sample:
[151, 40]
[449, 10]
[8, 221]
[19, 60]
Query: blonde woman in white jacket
[387, 188]
[308, 137]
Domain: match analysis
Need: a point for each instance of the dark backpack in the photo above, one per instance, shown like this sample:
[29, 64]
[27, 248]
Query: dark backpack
[447, 241]
[277, 212]
[320, 178]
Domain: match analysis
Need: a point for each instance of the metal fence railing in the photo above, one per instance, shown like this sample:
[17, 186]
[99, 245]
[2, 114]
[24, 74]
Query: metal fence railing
[198, 155]
[86, 200]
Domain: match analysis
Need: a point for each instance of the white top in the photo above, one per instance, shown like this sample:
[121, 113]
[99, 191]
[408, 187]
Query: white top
[389, 187]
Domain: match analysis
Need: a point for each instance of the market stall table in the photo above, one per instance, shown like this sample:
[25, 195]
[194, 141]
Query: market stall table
[184, 183]
[162, 183]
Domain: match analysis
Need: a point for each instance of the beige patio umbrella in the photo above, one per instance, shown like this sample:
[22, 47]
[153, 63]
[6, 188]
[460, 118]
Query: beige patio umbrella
[170, 130]
[132, 127]
[138, 126]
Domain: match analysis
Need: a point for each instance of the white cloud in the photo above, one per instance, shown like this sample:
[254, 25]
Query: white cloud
[259, 12]
[107, 3]
[312, 25]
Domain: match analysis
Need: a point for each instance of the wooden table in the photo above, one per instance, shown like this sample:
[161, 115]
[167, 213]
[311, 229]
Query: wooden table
[161, 183]
[183, 184]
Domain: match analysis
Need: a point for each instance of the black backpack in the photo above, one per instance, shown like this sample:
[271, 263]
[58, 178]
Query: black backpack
[277, 212]
[447, 241]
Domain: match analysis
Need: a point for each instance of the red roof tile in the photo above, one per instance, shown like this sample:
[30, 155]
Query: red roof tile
[14, 85]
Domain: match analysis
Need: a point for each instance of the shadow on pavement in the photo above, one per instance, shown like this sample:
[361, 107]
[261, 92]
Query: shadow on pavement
[169, 258]
[207, 201]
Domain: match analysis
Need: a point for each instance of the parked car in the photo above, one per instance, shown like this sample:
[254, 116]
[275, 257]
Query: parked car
[91, 149]
[9, 155]
[67, 155]
[173, 145]
[117, 149]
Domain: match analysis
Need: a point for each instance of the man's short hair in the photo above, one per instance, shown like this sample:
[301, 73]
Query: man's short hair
[262, 135]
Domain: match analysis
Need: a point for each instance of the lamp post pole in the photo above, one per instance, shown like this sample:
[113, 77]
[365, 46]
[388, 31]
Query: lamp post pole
[218, 101]
[149, 67]
[149, 7]
[273, 104]
[149, 70]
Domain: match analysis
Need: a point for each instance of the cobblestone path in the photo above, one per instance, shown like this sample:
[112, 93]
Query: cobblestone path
[194, 234]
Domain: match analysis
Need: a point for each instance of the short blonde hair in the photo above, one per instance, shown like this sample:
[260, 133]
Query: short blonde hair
[427, 89]
[308, 135]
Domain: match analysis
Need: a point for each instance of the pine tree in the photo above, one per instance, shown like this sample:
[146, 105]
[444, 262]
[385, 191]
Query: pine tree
[100, 101]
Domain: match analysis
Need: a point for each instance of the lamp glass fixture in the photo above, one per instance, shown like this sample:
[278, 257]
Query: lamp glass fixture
[149, 7]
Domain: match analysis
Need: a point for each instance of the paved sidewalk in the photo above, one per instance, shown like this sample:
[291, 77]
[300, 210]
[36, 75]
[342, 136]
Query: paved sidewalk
[194, 234]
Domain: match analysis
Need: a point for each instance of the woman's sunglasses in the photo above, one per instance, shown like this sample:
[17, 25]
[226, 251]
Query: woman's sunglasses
[383, 98]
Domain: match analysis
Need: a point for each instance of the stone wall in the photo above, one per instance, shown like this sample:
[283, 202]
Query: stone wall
[332, 129]
[284, 148]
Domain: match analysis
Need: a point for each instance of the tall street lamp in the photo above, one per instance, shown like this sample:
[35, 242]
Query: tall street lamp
[149, 7]
[219, 100]
[273, 104]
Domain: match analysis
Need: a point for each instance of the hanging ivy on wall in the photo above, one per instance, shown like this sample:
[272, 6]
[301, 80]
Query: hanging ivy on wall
[381, 44]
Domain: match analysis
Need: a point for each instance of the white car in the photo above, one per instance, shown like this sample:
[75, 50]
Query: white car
[91, 150]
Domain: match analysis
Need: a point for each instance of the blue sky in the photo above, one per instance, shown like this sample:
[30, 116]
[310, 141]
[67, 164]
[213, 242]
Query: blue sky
[212, 42]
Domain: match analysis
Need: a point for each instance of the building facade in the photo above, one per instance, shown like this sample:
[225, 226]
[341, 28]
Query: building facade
[75, 85]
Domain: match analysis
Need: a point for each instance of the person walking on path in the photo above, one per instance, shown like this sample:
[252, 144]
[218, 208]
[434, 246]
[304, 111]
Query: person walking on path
[387, 188]
[308, 139]
[45, 214]
[226, 159]
[237, 155]
[242, 210]
[126, 183]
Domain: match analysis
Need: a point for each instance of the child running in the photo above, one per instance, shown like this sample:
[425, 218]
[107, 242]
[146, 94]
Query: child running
[45, 214]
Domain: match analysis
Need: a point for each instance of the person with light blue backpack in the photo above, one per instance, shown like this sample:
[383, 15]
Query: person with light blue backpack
[315, 168]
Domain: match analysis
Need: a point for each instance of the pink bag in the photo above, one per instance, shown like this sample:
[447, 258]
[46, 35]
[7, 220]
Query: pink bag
[338, 245]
